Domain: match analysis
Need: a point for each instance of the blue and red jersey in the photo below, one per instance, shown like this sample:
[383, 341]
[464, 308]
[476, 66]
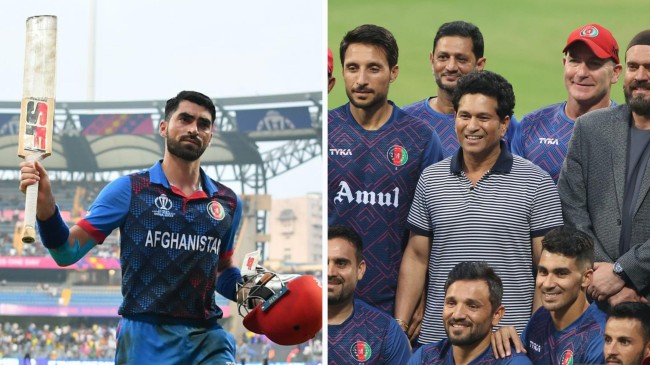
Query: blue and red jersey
[372, 176]
[544, 136]
[170, 244]
[579, 343]
[369, 336]
[441, 353]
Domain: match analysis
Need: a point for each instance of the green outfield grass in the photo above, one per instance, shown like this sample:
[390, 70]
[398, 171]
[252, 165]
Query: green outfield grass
[523, 40]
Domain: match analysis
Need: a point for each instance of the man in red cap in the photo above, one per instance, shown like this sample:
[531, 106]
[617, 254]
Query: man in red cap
[605, 183]
[331, 80]
[591, 67]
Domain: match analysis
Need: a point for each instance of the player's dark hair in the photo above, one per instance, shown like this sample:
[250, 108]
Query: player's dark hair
[460, 28]
[349, 235]
[572, 243]
[191, 96]
[633, 310]
[489, 84]
[478, 270]
[373, 35]
[642, 39]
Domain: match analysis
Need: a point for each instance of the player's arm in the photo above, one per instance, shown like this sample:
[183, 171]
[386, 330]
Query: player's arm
[412, 274]
[537, 253]
[66, 245]
[502, 341]
[229, 275]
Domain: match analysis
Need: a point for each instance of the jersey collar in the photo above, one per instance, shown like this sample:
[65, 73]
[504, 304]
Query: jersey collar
[502, 165]
[157, 176]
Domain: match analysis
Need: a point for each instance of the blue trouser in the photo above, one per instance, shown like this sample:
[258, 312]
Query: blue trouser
[141, 342]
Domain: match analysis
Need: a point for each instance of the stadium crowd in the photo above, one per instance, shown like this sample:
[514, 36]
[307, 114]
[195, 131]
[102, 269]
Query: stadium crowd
[95, 342]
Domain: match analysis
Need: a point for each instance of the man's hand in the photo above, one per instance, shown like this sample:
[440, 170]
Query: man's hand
[416, 321]
[502, 339]
[254, 292]
[605, 282]
[626, 294]
[31, 173]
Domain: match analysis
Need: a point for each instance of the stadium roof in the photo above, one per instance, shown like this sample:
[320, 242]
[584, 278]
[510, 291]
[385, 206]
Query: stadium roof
[76, 150]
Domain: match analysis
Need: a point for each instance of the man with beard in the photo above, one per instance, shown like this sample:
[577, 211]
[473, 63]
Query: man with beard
[627, 334]
[376, 153]
[472, 306]
[457, 50]
[356, 331]
[605, 181]
[567, 328]
[591, 67]
[177, 229]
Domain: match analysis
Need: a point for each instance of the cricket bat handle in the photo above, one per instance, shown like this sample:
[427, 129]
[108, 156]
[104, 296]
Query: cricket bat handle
[31, 197]
[29, 229]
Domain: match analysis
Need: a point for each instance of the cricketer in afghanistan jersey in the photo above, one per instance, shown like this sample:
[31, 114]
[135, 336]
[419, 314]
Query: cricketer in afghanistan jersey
[371, 180]
[543, 138]
[369, 336]
[444, 124]
[580, 343]
[441, 353]
[170, 244]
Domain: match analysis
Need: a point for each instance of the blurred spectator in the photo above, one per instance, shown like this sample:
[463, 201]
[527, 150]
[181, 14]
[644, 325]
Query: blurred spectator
[62, 342]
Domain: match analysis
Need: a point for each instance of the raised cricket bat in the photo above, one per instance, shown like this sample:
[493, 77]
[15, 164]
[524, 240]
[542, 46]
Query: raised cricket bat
[37, 107]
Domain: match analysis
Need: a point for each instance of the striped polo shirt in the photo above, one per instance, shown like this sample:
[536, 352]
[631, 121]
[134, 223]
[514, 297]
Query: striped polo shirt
[492, 221]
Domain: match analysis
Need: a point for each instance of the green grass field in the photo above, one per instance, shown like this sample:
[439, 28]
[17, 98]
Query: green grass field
[523, 40]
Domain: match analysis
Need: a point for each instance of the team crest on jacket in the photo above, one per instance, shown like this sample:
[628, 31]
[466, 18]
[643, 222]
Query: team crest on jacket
[215, 209]
[361, 351]
[397, 155]
[567, 358]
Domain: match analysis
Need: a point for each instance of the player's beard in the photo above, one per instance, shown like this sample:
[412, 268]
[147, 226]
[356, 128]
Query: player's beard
[449, 89]
[639, 104]
[188, 153]
[376, 100]
[475, 335]
[344, 295]
[638, 360]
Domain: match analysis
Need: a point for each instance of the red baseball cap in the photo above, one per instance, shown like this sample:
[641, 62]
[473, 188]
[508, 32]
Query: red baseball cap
[330, 61]
[597, 38]
[292, 315]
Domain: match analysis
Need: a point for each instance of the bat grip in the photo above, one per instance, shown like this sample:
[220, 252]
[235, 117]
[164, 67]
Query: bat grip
[31, 197]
